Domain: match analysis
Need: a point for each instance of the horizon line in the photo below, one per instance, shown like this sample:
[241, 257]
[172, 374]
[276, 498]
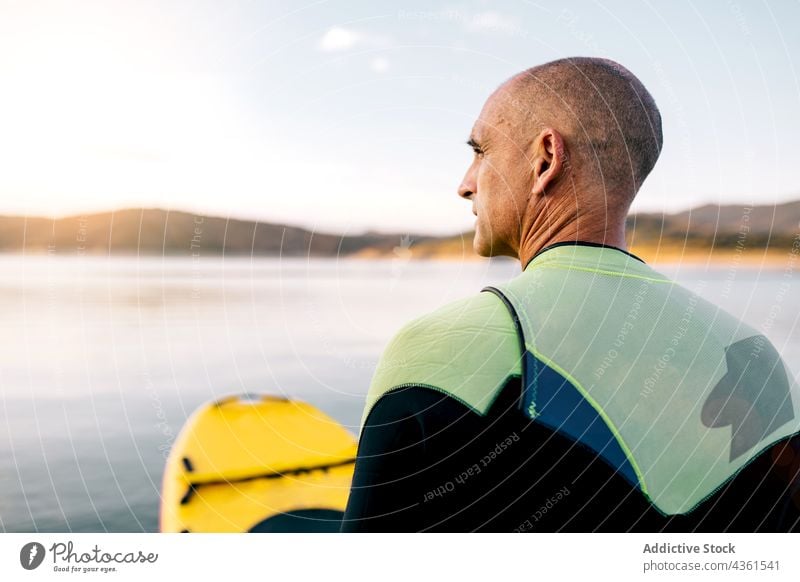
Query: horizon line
[363, 232]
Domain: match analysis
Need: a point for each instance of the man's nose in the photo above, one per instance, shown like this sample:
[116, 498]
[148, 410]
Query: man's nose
[467, 187]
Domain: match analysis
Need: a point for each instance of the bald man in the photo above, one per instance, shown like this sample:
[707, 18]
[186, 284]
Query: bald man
[589, 393]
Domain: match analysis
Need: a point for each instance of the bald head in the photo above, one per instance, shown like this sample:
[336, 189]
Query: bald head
[609, 121]
[561, 150]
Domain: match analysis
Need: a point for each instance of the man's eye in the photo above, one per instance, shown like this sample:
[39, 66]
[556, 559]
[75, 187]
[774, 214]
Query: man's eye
[476, 148]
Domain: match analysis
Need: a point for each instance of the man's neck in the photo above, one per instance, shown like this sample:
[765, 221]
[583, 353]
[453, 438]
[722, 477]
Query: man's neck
[610, 235]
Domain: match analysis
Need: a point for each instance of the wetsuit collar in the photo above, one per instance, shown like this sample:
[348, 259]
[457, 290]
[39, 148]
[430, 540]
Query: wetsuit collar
[581, 243]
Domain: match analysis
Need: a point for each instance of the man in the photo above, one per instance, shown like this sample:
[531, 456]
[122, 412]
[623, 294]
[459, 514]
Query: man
[590, 392]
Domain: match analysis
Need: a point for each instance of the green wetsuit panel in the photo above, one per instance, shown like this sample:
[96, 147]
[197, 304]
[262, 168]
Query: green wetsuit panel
[467, 349]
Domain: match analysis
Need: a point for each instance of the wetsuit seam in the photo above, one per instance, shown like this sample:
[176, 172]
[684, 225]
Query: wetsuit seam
[522, 345]
[584, 244]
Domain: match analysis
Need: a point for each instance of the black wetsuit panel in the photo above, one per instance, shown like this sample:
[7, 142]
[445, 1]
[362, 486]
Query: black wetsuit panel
[427, 462]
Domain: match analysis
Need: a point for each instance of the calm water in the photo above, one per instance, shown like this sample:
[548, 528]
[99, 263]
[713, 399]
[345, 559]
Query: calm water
[102, 360]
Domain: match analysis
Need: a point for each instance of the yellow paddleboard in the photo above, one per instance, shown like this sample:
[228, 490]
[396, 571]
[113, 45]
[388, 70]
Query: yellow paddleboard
[257, 464]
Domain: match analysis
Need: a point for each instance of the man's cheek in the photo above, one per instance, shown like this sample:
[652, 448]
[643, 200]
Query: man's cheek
[487, 175]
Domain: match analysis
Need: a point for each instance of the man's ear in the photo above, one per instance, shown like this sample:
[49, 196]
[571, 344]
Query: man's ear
[549, 158]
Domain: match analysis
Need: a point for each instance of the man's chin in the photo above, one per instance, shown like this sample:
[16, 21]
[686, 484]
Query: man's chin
[482, 249]
[482, 252]
[488, 249]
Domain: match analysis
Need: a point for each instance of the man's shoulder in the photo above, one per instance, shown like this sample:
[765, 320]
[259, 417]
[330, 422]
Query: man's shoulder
[466, 348]
[482, 314]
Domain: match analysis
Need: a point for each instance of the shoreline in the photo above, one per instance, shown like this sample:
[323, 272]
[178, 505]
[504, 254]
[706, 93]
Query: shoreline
[772, 258]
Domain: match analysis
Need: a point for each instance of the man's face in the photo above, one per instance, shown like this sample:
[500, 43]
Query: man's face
[498, 180]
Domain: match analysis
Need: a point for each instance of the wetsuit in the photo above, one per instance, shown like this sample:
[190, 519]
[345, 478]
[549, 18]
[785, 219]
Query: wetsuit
[590, 393]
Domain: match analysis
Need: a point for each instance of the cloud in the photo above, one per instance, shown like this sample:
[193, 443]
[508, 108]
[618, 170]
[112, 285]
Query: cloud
[338, 39]
[379, 64]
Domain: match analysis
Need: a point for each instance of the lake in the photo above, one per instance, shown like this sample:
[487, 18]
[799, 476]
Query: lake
[103, 359]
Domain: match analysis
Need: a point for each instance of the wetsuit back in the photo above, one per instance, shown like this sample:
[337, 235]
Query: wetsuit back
[588, 393]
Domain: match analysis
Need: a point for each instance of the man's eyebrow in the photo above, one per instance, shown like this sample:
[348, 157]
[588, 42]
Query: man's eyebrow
[473, 143]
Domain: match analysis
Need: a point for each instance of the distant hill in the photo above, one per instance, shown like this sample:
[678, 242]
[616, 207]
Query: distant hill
[161, 232]
[698, 232]
[704, 229]
[720, 226]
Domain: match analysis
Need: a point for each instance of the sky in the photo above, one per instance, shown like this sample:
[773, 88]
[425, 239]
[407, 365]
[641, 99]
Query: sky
[347, 116]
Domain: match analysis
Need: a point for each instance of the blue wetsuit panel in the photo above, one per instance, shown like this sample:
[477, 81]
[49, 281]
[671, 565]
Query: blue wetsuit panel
[560, 407]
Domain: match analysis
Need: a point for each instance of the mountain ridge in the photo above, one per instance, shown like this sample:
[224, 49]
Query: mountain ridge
[155, 231]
